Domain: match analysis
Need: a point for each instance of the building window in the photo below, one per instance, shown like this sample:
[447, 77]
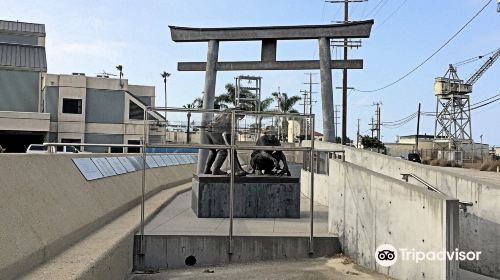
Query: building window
[132, 149]
[135, 112]
[72, 106]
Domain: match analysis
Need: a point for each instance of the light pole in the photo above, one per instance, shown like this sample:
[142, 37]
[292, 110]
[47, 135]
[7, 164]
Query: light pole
[165, 76]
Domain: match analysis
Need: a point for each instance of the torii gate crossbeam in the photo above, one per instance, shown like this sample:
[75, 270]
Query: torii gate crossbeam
[269, 37]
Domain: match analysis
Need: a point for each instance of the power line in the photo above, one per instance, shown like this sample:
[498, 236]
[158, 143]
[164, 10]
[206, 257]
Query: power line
[400, 120]
[432, 55]
[392, 14]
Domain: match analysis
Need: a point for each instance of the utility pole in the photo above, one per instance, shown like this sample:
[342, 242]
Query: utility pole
[372, 129]
[335, 120]
[418, 128]
[346, 44]
[309, 95]
[305, 93]
[357, 136]
[377, 117]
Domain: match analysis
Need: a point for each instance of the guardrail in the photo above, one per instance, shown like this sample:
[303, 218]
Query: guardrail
[462, 204]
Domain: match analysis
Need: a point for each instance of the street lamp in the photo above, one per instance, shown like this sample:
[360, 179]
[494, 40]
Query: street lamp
[165, 76]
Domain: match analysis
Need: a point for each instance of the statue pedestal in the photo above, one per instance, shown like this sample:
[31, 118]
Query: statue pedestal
[254, 196]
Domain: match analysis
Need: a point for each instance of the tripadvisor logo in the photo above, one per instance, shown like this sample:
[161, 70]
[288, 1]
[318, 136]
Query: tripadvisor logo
[387, 255]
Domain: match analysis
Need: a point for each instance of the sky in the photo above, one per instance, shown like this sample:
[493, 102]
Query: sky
[95, 36]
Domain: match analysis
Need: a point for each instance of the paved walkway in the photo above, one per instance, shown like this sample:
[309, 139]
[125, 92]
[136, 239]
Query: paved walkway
[492, 178]
[318, 269]
[177, 218]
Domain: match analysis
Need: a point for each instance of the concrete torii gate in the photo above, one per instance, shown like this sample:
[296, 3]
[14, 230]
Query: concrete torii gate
[269, 37]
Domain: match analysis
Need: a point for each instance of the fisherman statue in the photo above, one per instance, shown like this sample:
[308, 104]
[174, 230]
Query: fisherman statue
[269, 161]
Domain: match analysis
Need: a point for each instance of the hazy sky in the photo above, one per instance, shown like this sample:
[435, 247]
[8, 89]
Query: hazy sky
[92, 36]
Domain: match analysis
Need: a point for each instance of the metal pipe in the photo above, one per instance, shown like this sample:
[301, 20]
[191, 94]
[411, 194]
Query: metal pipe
[231, 184]
[144, 140]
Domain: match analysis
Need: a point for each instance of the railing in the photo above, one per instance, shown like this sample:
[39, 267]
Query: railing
[232, 147]
[462, 204]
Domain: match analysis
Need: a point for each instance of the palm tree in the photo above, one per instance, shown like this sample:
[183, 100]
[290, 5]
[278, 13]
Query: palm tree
[285, 105]
[188, 136]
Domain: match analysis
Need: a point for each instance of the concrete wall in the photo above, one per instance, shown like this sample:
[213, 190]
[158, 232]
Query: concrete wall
[479, 226]
[367, 209]
[47, 205]
[19, 90]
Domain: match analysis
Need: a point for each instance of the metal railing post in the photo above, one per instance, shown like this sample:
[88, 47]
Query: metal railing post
[231, 184]
[311, 193]
[144, 139]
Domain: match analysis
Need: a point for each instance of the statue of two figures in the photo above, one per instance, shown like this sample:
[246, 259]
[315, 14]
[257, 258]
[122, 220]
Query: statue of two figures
[269, 162]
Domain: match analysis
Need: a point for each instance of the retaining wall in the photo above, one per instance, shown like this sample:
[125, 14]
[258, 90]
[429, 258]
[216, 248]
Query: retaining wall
[479, 226]
[47, 205]
[367, 209]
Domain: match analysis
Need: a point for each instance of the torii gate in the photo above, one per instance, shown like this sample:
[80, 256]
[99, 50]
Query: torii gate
[269, 37]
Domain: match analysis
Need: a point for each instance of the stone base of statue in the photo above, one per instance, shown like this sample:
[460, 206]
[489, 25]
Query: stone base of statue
[254, 196]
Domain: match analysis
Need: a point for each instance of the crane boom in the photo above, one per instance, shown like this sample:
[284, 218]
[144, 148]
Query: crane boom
[483, 68]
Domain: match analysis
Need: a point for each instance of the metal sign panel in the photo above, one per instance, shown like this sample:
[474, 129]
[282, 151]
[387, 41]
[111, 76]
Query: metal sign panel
[127, 164]
[87, 168]
[167, 160]
[116, 165]
[174, 160]
[181, 159]
[137, 162]
[159, 160]
[151, 162]
[104, 166]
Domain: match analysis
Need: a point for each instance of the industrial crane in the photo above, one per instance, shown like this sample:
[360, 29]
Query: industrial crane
[453, 119]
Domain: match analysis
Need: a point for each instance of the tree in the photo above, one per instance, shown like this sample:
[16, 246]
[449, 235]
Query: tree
[372, 142]
[285, 105]
[338, 140]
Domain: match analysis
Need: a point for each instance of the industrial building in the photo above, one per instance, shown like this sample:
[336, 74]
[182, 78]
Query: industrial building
[38, 107]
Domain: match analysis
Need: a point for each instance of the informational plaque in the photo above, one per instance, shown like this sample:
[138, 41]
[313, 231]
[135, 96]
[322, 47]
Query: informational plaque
[151, 162]
[117, 165]
[87, 168]
[127, 164]
[167, 160]
[159, 160]
[194, 158]
[181, 159]
[174, 159]
[104, 166]
[137, 162]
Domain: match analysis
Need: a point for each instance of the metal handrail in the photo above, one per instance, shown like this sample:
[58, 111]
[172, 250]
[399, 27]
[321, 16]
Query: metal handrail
[462, 204]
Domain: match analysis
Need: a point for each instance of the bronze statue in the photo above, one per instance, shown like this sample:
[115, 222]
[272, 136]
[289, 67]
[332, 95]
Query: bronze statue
[219, 133]
[268, 161]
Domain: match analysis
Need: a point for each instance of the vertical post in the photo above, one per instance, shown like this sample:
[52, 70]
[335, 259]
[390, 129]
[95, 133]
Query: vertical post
[418, 128]
[326, 88]
[344, 80]
[357, 136]
[208, 98]
[143, 193]
[373, 124]
[311, 192]
[231, 184]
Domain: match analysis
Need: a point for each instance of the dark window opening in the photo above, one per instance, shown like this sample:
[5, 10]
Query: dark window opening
[72, 106]
[132, 149]
[135, 112]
